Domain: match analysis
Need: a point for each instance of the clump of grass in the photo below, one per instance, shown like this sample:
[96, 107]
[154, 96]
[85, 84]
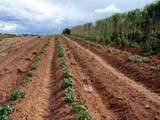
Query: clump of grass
[5, 110]
[17, 94]
[138, 59]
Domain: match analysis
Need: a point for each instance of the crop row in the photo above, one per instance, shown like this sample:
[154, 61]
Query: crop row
[67, 83]
[6, 109]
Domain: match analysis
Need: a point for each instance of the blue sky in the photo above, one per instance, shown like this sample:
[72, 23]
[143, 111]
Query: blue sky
[51, 16]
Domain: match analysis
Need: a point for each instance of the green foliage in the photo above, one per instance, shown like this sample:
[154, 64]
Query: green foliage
[69, 96]
[158, 68]
[17, 94]
[77, 107]
[84, 115]
[138, 59]
[66, 31]
[67, 82]
[5, 110]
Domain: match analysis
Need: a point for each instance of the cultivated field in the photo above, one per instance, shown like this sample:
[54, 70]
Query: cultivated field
[66, 78]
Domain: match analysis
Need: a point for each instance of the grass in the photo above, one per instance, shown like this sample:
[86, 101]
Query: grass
[5, 110]
[138, 59]
[17, 95]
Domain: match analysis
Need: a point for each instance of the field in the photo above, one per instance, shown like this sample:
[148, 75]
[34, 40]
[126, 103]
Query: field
[66, 78]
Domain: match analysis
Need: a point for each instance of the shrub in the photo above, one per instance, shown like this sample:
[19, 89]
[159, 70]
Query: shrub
[66, 31]
[17, 94]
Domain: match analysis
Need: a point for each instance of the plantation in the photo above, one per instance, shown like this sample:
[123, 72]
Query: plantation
[109, 70]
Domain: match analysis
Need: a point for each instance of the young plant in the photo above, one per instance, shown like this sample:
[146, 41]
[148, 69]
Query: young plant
[67, 82]
[138, 59]
[77, 107]
[5, 110]
[84, 115]
[66, 74]
[69, 96]
[17, 94]
[158, 68]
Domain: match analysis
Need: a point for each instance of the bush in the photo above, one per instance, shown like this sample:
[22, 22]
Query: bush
[66, 31]
[17, 94]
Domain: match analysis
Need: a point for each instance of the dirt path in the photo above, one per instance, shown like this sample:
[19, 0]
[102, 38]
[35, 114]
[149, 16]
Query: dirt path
[35, 105]
[124, 97]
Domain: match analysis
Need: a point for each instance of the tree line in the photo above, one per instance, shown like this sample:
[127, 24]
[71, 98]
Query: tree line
[138, 28]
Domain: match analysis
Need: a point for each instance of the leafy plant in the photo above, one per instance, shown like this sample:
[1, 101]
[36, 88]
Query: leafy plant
[158, 68]
[5, 110]
[138, 59]
[17, 94]
[77, 107]
[66, 74]
[69, 96]
[67, 82]
[84, 115]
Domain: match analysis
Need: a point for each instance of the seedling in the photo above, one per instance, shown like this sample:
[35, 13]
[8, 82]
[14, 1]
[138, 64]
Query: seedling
[5, 110]
[66, 82]
[17, 94]
[138, 59]
[84, 115]
[77, 107]
[158, 68]
[69, 97]
[66, 74]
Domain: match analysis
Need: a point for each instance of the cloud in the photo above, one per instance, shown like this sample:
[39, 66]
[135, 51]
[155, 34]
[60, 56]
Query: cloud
[4, 26]
[108, 9]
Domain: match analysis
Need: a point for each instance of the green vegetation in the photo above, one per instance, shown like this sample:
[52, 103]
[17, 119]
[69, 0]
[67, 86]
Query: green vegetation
[5, 110]
[66, 31]
[138, 59]
[36, 62]
[158, 68]
[67, 83]
[138, 28]
[17, 94]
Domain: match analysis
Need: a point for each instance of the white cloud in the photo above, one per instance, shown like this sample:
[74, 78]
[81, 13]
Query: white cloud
[108, 9]
[4, 26]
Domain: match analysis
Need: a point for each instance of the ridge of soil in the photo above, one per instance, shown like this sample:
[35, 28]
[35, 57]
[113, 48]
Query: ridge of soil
[127, 99]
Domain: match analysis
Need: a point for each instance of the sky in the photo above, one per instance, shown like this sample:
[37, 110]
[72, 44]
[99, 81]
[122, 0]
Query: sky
[52, 16]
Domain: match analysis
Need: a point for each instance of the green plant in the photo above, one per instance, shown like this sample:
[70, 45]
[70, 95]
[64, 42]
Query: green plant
[138, 59]
[5, 110]
[84, 115]
[67, 82]
[77, 107]
[69, 96]
[66, 74]
[17, 94]
[158, 68]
